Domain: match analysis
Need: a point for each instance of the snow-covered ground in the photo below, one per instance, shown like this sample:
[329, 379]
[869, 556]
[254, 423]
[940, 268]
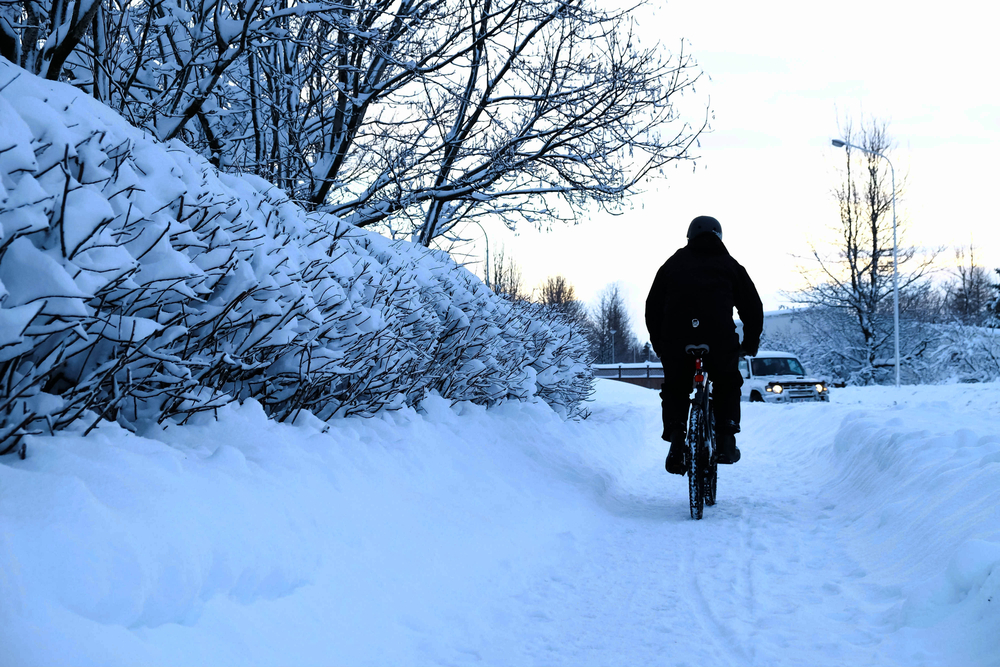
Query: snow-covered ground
[864, 531]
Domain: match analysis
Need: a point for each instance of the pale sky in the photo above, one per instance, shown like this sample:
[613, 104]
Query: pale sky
[778, 77]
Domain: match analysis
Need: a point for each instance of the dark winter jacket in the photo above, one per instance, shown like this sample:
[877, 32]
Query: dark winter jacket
[693, 296]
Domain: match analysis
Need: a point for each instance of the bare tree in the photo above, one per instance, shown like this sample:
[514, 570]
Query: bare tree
[507, 279]
[610, 315]
[968, 295]
[559, 294]
[556, 291]
[41, 36]
[851, 286]
[520, 109]
[409, 115]
[174, 68]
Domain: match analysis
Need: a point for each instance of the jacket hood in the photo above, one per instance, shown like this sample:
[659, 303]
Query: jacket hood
[707, 244]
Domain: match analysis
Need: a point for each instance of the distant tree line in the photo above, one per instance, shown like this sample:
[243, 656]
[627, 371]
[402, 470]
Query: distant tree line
[558, 296]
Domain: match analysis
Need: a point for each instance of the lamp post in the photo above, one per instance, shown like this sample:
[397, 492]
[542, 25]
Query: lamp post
[613, 332]
[895, 256]
[485, 236]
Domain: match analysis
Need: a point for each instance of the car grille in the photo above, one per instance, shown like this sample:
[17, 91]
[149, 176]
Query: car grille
[800, 390]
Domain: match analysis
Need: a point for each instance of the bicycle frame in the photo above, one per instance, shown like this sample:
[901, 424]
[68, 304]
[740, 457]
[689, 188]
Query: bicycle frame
[701, 395]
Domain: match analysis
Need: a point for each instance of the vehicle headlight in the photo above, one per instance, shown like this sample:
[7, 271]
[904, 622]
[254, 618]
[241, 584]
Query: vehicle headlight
[820, 388]
[776, 388]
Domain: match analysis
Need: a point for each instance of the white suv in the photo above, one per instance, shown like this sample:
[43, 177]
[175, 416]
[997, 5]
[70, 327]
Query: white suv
[778, 377]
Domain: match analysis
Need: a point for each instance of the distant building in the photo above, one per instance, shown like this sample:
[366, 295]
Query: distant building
[785, 324]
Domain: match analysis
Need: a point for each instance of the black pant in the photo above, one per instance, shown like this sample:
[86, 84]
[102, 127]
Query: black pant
[723, 370]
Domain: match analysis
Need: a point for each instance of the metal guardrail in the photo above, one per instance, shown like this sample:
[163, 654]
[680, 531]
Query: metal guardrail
[627, 371]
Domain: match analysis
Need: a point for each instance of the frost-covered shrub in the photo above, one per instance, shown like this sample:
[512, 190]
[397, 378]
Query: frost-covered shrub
[963, 353]
[559, 356]
[137, 283]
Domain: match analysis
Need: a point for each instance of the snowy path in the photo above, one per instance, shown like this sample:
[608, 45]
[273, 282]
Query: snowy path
[763, 579]
[858, 532]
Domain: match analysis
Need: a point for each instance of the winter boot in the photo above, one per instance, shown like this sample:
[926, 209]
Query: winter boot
[677, 457]
[728, 451]
[725, 434]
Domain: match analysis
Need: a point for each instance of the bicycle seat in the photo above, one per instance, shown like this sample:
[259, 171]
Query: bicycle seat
[697, 350]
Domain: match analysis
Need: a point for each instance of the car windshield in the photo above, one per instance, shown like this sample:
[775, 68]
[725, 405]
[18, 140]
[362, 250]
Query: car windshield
[777, 366]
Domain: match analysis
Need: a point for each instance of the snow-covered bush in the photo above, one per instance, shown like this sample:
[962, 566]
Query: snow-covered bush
[138, 283]
[963, 353]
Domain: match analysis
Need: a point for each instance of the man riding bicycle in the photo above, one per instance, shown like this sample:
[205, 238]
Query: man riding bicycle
[691, 301]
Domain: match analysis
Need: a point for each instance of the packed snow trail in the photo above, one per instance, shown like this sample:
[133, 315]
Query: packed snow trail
[760, 580]
[866, 531]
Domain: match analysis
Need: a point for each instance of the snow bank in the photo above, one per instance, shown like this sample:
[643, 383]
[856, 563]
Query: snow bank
[202, 544]
[922, 481]
[138, 284]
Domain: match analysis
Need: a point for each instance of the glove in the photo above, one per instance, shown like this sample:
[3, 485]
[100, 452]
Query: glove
[748, 349]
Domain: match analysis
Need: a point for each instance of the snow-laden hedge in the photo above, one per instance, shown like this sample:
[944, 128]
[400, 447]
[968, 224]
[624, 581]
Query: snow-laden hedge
[138, 283]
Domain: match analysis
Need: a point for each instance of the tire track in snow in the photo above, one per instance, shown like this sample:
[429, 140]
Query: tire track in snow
[722, 635]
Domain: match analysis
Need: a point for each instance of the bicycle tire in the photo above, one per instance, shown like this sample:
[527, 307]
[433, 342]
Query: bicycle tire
[712, 471]
[696, 470]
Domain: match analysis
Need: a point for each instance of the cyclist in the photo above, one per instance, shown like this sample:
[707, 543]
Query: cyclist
[691, 301]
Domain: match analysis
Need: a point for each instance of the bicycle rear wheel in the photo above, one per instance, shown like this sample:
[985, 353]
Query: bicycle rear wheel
[698, 450]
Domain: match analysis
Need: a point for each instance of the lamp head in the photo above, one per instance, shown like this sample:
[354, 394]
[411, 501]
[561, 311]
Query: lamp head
[838, 143]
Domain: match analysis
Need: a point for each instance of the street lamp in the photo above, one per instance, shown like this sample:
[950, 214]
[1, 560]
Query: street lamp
[613, 332]
[485, 236]
[895, 256]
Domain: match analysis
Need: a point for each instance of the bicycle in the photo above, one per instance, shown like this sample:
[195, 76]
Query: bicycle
[702, 455]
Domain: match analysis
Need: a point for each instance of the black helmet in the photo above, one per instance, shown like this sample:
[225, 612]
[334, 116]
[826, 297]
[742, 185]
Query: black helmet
[702, 224]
